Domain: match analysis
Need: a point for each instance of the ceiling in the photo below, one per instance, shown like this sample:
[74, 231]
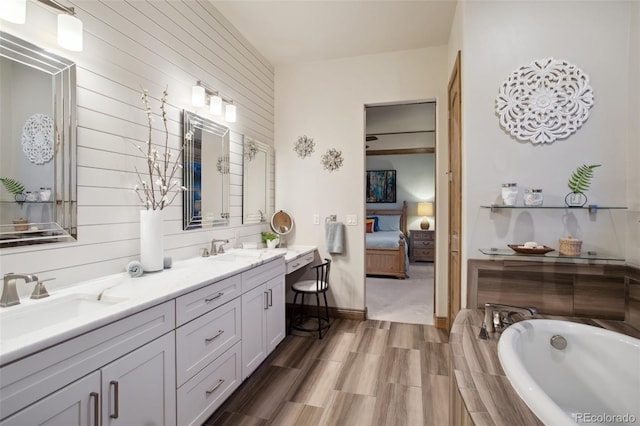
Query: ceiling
[293, 31]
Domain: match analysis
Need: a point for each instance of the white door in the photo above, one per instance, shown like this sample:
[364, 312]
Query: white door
[140, 388]
[76, 404]
[254, 329]
[276, 321]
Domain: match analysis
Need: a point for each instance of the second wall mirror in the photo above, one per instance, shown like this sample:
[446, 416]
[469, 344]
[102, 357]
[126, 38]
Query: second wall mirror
[256, 187]
[205, 173]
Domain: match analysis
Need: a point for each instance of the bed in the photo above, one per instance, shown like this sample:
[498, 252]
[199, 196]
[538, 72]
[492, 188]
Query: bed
[387, 248]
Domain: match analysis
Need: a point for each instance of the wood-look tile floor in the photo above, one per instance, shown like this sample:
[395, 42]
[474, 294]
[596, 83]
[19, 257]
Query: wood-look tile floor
[359, 374]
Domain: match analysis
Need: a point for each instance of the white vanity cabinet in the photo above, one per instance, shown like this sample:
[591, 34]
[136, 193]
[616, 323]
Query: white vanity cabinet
[263, 313]
[122, 373]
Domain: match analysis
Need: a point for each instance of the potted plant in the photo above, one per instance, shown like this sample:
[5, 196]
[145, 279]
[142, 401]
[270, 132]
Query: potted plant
[14, 187]
[578, 183]
[271, 239]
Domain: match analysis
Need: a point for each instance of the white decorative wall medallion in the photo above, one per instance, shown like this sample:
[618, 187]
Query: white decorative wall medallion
[332, 159]
[304, 146]
[37, 138]
[546, 100]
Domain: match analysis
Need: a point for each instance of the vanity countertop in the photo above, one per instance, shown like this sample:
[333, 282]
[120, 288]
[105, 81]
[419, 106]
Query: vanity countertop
[485, 389]
[123, 296]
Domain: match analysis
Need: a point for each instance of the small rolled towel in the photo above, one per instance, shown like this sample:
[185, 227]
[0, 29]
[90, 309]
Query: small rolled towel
[334, 237]
[134, 268]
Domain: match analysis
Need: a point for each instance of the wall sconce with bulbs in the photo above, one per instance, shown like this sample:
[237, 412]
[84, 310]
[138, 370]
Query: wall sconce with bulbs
[69, 27]
[200, 93]
[424, 210]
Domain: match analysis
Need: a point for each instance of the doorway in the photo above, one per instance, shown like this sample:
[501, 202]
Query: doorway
[400, 137]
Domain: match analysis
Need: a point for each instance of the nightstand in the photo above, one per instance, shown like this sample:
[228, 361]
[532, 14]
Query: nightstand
[423, 245]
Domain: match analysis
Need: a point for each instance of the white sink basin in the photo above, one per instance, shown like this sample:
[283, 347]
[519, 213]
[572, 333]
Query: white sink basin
[20, 320]
[239, 255]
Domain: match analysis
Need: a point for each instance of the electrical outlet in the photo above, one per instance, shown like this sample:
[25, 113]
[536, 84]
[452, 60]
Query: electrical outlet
[316, 219]
[352, 219]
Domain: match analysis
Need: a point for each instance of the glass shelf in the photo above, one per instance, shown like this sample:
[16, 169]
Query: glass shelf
[551, 255]
[35, 233]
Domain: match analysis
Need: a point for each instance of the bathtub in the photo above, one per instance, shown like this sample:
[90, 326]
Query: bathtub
[594, 380]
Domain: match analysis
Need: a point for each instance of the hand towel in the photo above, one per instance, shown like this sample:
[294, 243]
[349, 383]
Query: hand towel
[334, 237]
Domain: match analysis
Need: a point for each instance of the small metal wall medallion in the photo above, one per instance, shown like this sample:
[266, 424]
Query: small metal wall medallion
[304, 147]
[332, 159]
[548, 99]
[250, 149]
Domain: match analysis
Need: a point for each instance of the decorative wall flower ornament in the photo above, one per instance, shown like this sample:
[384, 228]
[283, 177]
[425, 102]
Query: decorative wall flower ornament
[222, 165]
[546, 100]
[304, 146]
[332, 159]
[250, 149]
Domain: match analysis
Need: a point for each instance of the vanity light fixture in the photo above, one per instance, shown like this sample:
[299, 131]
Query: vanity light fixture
[201, 93]
[69, 27]
[14, 11]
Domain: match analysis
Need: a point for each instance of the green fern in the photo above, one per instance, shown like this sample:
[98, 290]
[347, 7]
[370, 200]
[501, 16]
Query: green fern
[581, 177]
[12, 185]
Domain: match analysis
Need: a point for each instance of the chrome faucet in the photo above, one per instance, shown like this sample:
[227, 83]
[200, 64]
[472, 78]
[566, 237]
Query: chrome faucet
[494, 320]
[9, 292]
[217, 249]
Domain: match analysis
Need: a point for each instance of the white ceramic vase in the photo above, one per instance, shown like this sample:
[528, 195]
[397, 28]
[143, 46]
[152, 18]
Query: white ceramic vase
[273, 243]
[151, 236]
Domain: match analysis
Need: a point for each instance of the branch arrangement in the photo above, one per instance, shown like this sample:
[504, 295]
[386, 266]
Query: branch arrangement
[158, 188]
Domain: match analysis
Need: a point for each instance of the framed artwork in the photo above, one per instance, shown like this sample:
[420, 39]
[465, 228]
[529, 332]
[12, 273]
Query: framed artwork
[381, 186]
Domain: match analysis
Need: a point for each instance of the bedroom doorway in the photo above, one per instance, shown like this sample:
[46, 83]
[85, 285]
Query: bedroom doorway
[400, 142]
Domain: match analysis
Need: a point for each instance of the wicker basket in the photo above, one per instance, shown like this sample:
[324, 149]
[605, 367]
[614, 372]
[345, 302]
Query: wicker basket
[570, 247]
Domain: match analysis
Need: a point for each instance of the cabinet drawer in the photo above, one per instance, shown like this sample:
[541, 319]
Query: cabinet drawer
[202, 340]
[422, 244]
[300, 262]
[422, 235]
[204, 393]
[201, 301]
[260, 274]
[424, 253]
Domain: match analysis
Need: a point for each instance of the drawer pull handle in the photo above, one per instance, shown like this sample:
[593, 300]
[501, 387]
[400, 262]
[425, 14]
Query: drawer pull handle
[217, 385]
[296, 265]
[116, 396]
[211, 339]
[266, 300]
[216, 297]
[270, 297]
[96, 408]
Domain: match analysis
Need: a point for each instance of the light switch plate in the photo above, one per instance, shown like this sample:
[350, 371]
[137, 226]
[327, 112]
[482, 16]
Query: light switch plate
[316, 219]
[352, 219]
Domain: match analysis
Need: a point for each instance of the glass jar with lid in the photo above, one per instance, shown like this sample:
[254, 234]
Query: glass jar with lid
[533, 197]
[509, 194]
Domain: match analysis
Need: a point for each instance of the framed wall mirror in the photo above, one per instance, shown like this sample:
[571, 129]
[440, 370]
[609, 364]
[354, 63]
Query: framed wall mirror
[37, 145]
[256, 184]
[205, 172]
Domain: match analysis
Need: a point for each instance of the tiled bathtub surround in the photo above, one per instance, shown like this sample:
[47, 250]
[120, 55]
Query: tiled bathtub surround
[582, 290]
[480, 391]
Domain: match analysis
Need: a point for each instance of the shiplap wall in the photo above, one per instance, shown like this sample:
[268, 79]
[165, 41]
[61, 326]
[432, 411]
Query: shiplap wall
[130, 45]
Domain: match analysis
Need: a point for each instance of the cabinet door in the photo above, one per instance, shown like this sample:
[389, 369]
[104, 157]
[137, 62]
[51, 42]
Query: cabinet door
[254, 329]
[276, 322]
[76, 404]
[139, 388]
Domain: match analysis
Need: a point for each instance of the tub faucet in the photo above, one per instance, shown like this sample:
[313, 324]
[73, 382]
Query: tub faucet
[9, 293]
[494, 321]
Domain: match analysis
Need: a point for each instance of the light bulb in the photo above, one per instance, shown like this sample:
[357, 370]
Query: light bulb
[215, 105]
[197, 96]
[14, 11]
[70, 32]
[230, 113]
